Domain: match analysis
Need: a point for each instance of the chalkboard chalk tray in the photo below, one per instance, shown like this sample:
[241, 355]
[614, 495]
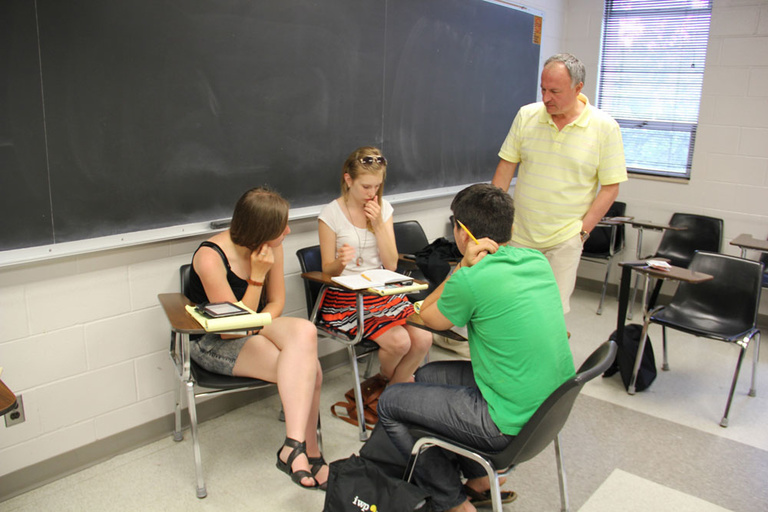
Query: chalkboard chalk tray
[133, 115]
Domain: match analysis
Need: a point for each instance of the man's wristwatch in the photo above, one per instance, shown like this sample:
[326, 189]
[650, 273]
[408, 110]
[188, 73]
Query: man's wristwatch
[584, 235]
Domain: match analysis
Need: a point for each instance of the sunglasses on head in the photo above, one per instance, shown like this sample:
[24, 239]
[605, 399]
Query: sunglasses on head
[368, 160]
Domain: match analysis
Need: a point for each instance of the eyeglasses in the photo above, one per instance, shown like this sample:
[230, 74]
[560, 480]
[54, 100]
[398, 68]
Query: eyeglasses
[368, 160]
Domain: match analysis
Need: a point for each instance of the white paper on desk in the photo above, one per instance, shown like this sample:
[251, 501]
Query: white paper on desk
[658, 264]
[376, 278]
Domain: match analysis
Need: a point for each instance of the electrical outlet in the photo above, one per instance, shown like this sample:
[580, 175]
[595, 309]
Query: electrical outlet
[16, 415]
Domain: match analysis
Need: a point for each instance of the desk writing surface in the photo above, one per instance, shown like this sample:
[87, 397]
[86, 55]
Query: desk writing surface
[654, 225]
[7, 399]
[322, 277]
[749, 242]
[416, 321]
[674, 273]
[174, 305]
[614, 221]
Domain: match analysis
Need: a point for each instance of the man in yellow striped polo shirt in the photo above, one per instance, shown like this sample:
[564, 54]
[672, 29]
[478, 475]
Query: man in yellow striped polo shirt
[561, 148]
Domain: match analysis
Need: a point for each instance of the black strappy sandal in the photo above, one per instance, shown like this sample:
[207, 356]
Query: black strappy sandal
[317, 464]
[285, 467]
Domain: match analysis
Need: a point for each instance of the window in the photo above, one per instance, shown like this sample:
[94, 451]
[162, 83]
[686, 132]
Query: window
[651, 70]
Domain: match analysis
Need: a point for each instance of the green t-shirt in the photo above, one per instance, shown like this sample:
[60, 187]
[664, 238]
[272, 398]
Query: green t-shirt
[518, 343]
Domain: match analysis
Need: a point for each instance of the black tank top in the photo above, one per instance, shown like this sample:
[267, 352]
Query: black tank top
[196, 290]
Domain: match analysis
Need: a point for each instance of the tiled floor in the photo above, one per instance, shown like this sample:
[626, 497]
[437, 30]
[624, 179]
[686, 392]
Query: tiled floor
[660, 450]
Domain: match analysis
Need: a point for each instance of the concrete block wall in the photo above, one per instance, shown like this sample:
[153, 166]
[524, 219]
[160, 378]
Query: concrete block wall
[729, 179]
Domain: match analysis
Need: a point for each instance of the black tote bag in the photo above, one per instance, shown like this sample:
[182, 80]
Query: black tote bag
[358, 485]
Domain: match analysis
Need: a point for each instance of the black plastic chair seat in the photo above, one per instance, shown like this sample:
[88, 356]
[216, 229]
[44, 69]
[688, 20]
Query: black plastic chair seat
[211, 380]
[701, 324]
[495, 458]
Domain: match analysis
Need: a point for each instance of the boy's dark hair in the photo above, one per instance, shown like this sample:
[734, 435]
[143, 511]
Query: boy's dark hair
[486, 210]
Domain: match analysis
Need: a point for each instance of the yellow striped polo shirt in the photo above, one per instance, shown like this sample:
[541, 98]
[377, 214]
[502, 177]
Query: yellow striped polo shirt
[560, 170]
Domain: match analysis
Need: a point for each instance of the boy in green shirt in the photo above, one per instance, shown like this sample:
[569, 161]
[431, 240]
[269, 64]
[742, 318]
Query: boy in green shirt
[509, 301]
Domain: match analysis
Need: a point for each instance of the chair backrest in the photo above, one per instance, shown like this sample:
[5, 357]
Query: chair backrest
[410, 236]
[732, 298]
[184, 276]
[599, 241]
[552, 414]
[310, 261]
[701, 234]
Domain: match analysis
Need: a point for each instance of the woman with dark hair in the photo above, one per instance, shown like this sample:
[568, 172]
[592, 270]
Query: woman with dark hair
[357, 234]
[245, 263]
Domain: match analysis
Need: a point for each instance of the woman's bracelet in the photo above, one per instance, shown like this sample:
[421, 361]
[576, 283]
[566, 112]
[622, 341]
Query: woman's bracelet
[254, 283]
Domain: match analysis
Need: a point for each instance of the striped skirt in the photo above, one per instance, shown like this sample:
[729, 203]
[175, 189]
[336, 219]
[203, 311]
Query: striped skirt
[339, 312]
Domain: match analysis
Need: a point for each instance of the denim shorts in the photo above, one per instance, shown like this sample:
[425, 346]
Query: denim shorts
[215, 354]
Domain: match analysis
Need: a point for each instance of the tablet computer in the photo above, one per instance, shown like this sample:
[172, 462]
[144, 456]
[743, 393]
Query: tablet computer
[221, 309]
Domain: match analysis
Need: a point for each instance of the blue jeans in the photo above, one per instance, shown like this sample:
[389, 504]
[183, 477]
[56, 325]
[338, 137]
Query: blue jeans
[444, 399]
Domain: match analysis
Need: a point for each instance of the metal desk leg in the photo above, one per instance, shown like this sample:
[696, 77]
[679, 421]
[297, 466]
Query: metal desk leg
[638, 253]
[643, 338]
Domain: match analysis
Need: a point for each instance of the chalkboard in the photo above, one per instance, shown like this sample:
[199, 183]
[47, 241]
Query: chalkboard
[131, 115]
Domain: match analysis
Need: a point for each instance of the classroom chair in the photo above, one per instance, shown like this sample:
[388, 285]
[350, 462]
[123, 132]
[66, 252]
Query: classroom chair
[410, 238]
[542, 429]
[311, 261]
[700, 233]
[604, 243]
[197, 382]
[724, 308]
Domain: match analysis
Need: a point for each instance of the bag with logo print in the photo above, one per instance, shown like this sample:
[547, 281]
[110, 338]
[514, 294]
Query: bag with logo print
[359, 485]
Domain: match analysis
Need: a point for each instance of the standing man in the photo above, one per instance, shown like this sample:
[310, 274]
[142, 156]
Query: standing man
[561, 149]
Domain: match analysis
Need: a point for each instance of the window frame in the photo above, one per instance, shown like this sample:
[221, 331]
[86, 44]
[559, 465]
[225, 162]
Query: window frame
[648, 11]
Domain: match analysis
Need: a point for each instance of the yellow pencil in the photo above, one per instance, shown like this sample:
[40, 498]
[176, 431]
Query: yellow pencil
[468, 231]
[366, 277]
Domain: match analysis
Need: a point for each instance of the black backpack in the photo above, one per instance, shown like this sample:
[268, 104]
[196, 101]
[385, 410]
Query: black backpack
[626, 355]
[629, 342]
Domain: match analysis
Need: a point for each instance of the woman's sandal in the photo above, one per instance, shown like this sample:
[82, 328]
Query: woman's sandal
[317, 464]
[298, 475]
[483, 499]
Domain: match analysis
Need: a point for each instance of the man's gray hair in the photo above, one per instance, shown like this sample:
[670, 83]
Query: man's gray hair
[575, 67]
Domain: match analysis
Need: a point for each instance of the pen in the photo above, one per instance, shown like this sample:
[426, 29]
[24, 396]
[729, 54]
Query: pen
[365, 277]
[468, 231]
